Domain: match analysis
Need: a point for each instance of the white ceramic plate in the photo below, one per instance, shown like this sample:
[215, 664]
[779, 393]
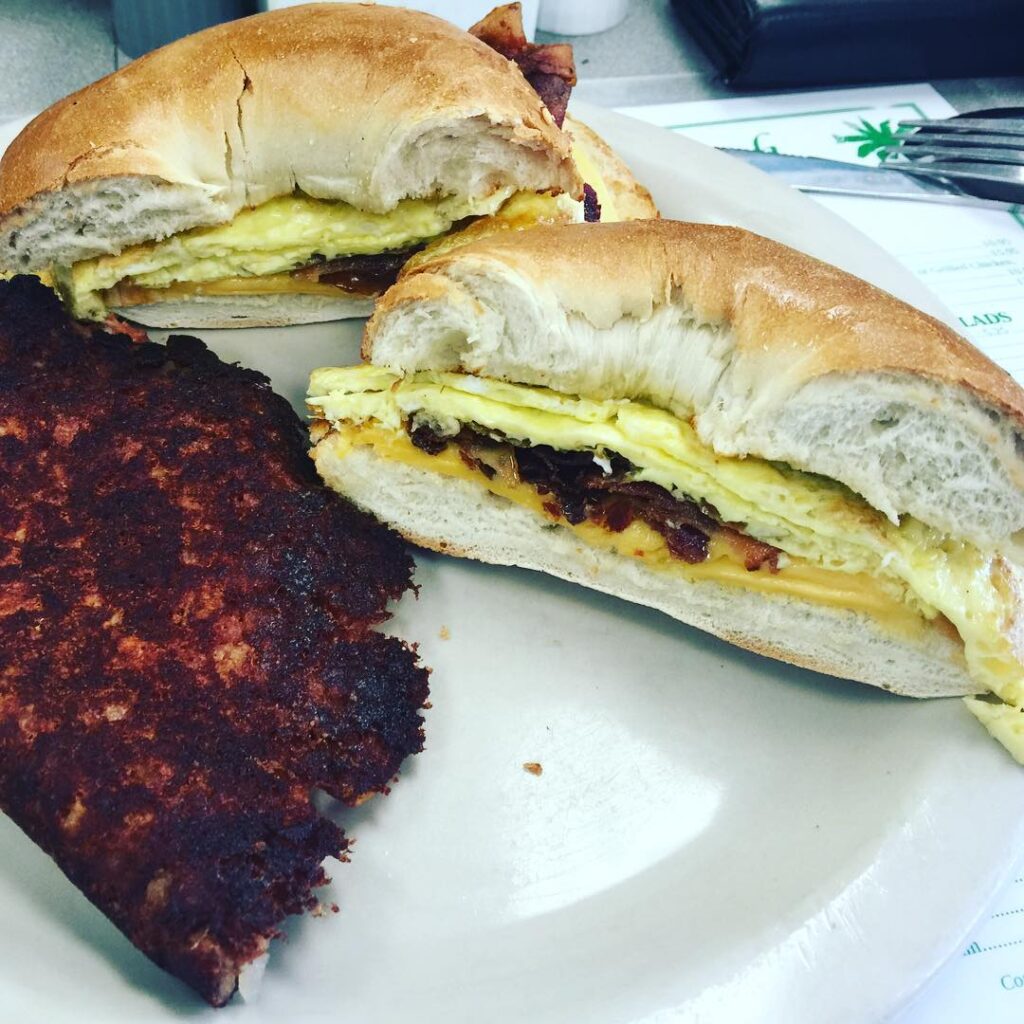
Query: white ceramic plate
[715, 837]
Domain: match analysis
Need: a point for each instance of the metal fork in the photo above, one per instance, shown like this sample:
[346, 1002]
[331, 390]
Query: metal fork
[982, 151]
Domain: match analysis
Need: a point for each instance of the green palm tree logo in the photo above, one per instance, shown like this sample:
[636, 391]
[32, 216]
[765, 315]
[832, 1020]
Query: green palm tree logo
[871, 138]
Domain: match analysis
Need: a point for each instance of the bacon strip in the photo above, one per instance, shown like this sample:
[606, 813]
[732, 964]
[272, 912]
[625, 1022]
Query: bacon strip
[549, 67]
[755, 553]
[576, 489]
[362, 275]
[115, 325]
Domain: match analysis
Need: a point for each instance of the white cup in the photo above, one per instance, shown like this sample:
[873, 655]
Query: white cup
[580, 17]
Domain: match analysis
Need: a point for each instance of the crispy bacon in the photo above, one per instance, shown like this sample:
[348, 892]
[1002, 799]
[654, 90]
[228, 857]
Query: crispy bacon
[362, 275]
[115, 325]
[755, 553]
[549, 68]
[577, 489]
[686, 526]
[426, 440]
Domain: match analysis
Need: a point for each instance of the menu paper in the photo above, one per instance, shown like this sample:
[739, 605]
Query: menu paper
[985, 981]
[973, 259]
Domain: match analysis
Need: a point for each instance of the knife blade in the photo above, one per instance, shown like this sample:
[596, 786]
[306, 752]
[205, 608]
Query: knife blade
[835, 177]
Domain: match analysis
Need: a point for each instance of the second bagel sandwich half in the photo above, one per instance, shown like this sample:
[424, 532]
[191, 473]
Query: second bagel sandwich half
[701, 420]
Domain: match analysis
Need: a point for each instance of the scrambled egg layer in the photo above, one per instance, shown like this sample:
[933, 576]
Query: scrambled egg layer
[273, 238]
[813, 519]
[522, 210]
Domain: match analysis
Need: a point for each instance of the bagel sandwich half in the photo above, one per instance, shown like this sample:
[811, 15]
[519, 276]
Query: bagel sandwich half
[706, 422]
[282, 168]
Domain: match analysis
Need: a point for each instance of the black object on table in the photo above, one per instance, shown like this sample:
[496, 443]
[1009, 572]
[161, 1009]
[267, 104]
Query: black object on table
[783, 43]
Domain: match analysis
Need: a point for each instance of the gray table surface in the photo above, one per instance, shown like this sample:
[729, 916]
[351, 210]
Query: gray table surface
[49, 48]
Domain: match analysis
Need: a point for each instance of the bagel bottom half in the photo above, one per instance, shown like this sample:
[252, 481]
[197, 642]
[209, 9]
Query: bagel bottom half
[209, 311]
[457, 516]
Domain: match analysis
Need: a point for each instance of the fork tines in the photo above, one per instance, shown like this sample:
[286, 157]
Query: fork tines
[951, 148]
[987, 126]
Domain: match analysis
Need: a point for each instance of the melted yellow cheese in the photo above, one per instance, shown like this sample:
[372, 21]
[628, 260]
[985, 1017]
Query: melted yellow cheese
[808, 517]
[857, 592]
[271, 284]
